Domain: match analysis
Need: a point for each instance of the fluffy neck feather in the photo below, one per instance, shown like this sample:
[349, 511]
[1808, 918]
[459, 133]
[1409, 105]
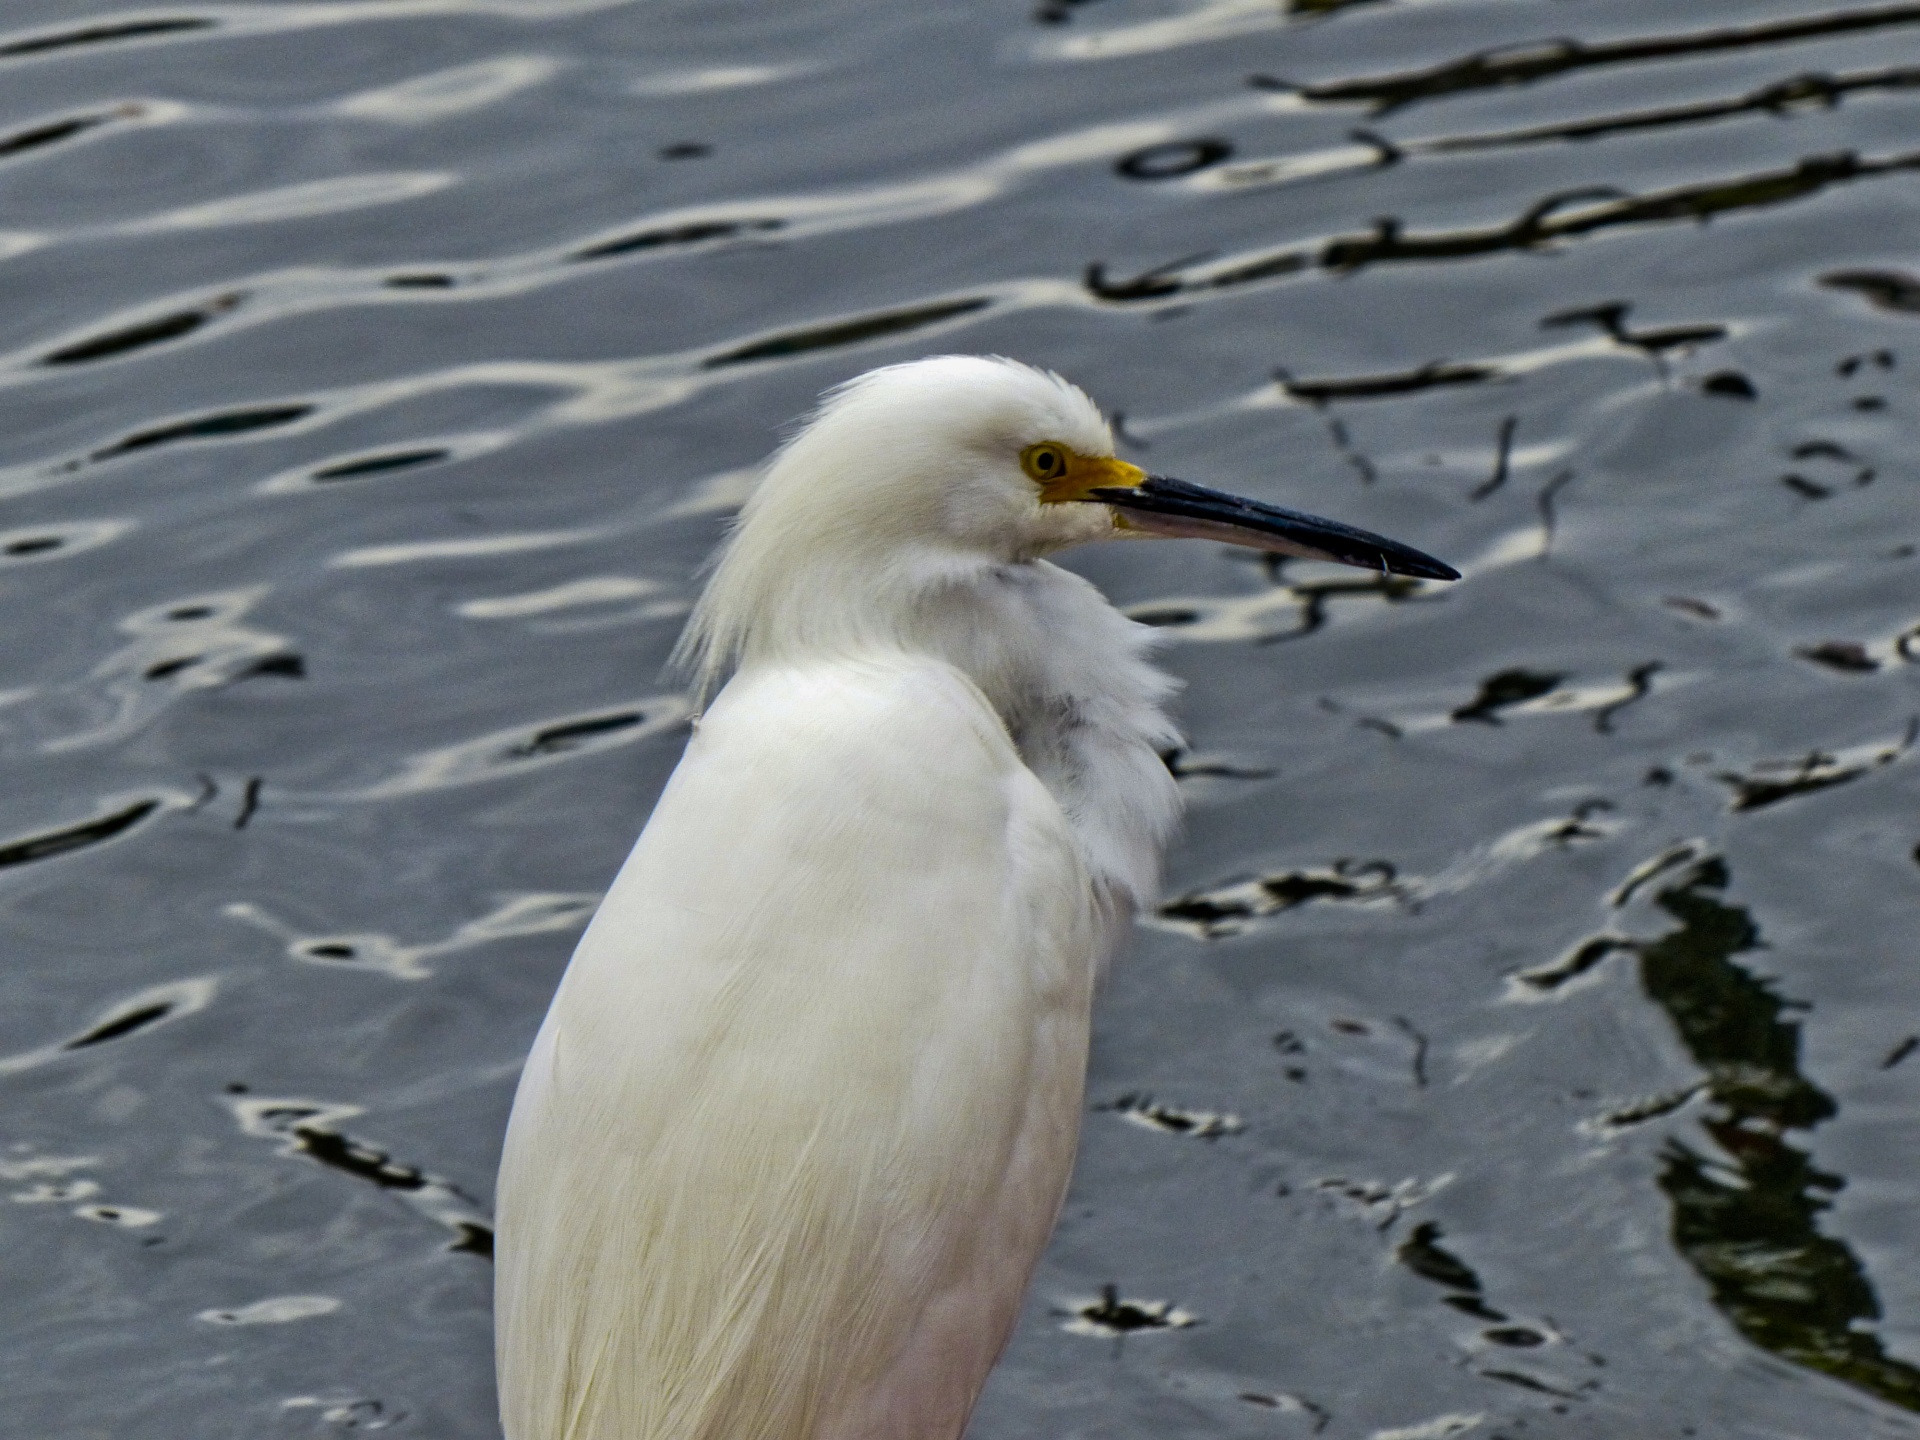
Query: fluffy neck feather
[1066, 672]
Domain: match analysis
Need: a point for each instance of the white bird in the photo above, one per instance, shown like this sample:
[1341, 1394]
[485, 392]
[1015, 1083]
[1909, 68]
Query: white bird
[799, 1121]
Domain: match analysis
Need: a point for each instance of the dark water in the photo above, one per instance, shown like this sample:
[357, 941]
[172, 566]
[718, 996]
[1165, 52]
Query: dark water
[1527, 1046]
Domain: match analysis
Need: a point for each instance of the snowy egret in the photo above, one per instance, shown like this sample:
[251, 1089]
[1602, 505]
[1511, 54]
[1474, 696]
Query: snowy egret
[799, 1121]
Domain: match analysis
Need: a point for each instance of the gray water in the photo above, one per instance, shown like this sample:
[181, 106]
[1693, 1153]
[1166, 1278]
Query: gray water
[1526, 1044]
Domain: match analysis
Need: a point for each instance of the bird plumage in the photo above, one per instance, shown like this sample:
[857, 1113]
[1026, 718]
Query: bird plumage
[762, 1158]
[800, 1119]
[795, 1130]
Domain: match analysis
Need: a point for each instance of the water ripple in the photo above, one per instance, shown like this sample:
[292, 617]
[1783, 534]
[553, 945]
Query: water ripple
[427, 98]
[197, 642]
[156, 1005]
[516, 915]
[521, 748]
[294, 202]
[219, 21]
[414, 552]
[590, 590]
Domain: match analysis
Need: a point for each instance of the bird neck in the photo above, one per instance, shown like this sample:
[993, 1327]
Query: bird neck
[1070, 678]
[1067, 674]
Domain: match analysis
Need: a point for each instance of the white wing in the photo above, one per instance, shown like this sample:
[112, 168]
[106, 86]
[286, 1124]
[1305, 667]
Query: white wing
[798, 1123]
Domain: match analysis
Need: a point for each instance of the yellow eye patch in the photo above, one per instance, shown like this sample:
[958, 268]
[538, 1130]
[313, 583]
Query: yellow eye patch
[1064, 474]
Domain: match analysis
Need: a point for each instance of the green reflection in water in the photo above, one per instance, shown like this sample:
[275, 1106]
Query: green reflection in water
[1746, 1219]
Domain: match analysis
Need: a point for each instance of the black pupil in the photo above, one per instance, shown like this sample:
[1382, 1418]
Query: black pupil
[1046, 459]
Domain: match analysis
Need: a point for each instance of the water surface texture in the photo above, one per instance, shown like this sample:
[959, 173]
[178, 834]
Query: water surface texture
[1527, 1043]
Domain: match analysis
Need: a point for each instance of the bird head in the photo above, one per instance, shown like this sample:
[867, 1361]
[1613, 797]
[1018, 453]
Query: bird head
[914, 474]
[992, 454]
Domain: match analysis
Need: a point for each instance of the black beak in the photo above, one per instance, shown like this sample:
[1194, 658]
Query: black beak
[1162, 506]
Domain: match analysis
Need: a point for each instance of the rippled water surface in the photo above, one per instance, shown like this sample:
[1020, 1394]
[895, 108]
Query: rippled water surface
[1528, 1041]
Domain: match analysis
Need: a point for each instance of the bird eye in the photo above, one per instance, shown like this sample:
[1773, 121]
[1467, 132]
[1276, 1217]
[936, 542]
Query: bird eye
[1045, 461]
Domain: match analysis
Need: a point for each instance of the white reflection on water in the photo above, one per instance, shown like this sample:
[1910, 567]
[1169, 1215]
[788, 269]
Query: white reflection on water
[450, 92]
[712, 77]
[463, 548]
[591, 590]
[279, 1310]
[294, 202]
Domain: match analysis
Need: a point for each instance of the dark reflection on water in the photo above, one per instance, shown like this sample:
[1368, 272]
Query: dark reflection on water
[690, 234]
[308, 1130]
[1746, 1218]
[135, 337]
[90, 832]
[1563, 215]
[379, 375]
[855, 331]
[1528, 63]
[101, 34]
